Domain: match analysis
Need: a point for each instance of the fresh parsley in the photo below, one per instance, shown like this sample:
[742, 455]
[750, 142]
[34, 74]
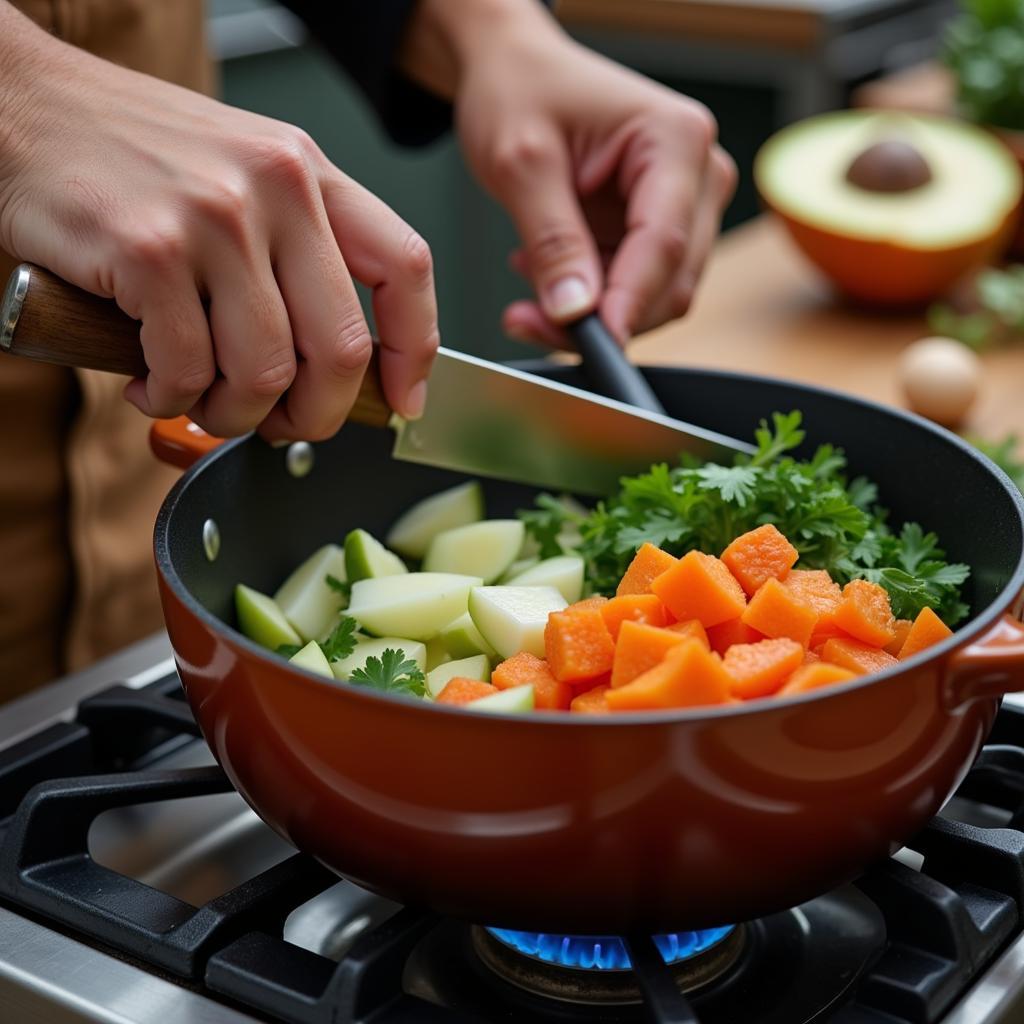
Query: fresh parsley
[342, 640]
[392, 672]
[342, 587]
[288, 650]
[834, 523]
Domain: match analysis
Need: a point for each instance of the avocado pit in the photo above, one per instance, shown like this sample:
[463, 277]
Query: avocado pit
[891, 165]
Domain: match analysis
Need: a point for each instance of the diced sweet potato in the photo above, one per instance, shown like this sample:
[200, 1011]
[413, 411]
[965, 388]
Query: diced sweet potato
[700, 587]
[856, 656]
[688, 676]
[811, 677]
[901, 627]
[636, 607]
[826, 631]
[691, 627]
[759, 669]
[641, 647]
[776, 612]
[816, 588]
[577, 644]
[591, 702]
[648, 563]
[734, 631]
[460, 690]
[927, 629]
[549, 693]
[760, 555]
[865, 614]
[597, 601]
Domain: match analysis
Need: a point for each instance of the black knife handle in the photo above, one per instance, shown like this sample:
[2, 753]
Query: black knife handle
[607, 368]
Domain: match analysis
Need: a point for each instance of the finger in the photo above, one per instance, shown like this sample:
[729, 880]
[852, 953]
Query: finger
[533, 180]
[525, 321]
[385, 254]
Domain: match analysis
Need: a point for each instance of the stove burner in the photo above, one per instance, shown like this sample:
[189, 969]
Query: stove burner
[597, 969]
[606, 952]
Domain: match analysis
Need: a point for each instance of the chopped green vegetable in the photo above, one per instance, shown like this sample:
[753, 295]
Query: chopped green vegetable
[343, 587]
[392, 672]
[994, 314]
[834, 523]
[342, 640]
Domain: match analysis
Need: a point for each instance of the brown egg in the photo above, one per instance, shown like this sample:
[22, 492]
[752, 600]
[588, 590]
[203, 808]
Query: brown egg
[941, 379]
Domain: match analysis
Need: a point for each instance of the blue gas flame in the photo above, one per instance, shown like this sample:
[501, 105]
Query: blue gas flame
[605, 952]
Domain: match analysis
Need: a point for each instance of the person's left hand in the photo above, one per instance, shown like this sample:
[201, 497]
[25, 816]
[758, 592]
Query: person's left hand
[615, 183]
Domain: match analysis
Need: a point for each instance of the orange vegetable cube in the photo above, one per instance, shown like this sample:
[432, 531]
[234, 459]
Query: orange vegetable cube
[810, 658]
[760, 669]
[691, 627]
[577, 644]
[816, 588]
[460, 690]
[826, 631]
[700, 587]
[637, 607]
[549, 693]
[688, 676]
[927, 629]
[856, 656]
[641, 647]
[865, 614]
[760, 555]
[733, 631]
[810, 677]
[597, 601]
[648, 563]
[591, 702]
[901, 628]
[582, 685]
[776, 611]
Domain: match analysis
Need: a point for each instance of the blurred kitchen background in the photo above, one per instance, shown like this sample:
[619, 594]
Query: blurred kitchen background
[758, 64]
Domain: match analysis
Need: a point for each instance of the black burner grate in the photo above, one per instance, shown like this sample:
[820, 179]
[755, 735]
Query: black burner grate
[906, 944]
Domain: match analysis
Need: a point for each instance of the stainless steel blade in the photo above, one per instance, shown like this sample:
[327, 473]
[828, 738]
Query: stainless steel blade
[490, 420]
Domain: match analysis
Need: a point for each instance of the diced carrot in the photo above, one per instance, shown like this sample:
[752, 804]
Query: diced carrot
[460, 690]
[691, 627]
[648, 563]
[641, 647]
[577, 644]
[816, 588]
[856, 656]
[597, 601]
[901, 628]
[760, 669]
[927, 629]
[700, 587]
[688, 676]
[776, 611]
[865, 614]
[637, 607]
[825, 631]
[592, 702]
[549, 694]
[582, 685]
[733, 631]
[810, 658]
[810, 677]
[760, 555]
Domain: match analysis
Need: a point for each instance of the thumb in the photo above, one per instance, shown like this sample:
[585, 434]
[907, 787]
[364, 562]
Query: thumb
[560, 253]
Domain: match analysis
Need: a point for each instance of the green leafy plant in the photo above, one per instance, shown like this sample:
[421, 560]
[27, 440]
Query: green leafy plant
[984, 47]
[996, 315]
[1004, 455]
[339, 644]
[835, 523]
[392, 672]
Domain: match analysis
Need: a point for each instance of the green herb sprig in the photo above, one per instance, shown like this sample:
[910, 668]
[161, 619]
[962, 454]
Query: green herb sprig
[392, 672]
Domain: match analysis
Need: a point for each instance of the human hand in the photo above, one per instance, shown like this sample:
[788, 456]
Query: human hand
[229, 235]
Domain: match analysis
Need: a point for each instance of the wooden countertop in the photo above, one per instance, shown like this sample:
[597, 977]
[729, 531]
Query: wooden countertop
[762, 309]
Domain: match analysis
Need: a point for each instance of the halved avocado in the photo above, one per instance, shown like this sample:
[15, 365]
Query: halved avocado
[892, 207]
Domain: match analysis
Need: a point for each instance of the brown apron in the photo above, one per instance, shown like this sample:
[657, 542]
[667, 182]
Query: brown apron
[79, 489]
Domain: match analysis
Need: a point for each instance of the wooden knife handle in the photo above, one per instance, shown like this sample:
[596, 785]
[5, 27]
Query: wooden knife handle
[45, 318]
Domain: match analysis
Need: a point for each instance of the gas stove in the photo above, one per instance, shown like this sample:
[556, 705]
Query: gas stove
[136, 886]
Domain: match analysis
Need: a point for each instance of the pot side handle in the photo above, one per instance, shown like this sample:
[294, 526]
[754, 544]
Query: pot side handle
[990, 667]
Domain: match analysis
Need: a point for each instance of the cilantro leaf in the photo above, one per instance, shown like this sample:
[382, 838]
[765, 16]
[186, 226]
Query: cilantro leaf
[288, 650]
[342, 587]
[733, 483]
[392, 672]
[342, 640]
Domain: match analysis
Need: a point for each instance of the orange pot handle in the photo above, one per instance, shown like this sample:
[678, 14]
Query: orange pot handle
[180, 442]
[989, 667]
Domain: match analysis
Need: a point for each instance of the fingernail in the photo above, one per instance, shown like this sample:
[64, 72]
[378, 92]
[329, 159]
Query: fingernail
[280, 443]
[416, 401]
[567, 298]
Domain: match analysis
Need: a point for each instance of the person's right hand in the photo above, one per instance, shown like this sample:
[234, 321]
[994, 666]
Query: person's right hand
[230, 236]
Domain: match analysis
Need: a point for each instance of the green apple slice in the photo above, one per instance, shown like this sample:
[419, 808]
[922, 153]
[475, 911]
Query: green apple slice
[476, 667]
[415, 529]
[413, 650]
[417, 605]
[437, 653]
[484, 549]
[366, 558]
[512, 619]
[312, 659]
[260, 619]
[564, 573]
[462, 639]
[519, 566]
[306, 599]
[516, 700]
